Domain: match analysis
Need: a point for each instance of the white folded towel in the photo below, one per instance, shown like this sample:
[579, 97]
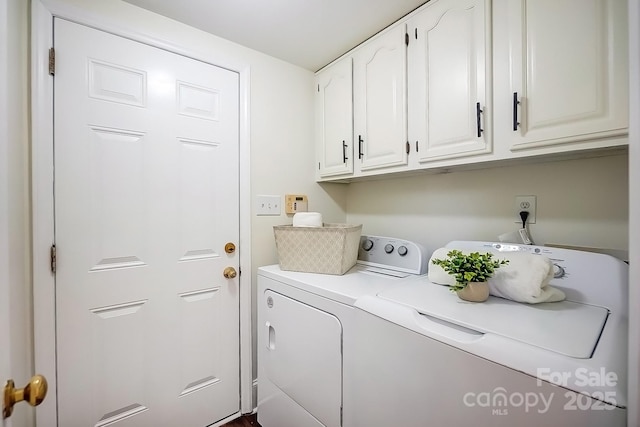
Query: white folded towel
[524, 279]
[307, 219]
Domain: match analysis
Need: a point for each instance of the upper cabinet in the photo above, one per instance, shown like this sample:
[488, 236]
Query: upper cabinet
[561, 73]
[334, 120]
[459, 82]
[380, 101]
[449, 88]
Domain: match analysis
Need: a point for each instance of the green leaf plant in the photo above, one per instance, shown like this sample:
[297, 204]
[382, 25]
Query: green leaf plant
[474, 267]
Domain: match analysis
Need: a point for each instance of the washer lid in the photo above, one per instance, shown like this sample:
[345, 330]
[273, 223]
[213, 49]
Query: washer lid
[565, 327]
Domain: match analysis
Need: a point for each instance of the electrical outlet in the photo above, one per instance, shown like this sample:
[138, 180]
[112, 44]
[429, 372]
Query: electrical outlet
[268, 205]
[525, 203]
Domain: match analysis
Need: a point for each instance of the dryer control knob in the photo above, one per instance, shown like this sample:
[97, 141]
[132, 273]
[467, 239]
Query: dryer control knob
[558, 271]
[367, 245]
[402, 250]
[388, 248]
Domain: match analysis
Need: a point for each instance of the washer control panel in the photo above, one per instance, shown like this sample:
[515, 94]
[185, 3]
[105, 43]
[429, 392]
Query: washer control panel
[559, 266]
[391, 253]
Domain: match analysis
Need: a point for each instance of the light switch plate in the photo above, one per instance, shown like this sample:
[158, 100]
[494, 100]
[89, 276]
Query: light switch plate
[268, 205]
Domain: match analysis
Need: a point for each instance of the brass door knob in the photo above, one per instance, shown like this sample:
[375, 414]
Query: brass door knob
[229, 273]
[33, 393]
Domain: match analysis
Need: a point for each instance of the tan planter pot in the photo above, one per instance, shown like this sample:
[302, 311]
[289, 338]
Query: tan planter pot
[474, 292]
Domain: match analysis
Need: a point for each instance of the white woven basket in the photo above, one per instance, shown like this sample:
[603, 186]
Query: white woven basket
[330, 249]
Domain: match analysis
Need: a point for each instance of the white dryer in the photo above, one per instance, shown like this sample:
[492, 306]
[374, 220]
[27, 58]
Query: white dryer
[429, 358]
[306, 332]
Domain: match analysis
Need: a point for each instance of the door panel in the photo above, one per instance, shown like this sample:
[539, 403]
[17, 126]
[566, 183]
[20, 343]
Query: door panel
[447, 79]
[146, 186]
[380, 100]
[568, 70]
[334, 119]
[304, 356]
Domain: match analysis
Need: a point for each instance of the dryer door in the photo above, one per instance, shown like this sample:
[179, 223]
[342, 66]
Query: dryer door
[301, 357]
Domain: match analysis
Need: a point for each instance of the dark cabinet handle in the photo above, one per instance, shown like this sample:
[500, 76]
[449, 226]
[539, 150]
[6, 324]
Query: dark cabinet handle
[360, 141]
[515, 111]
[344, 152]
[479, 125]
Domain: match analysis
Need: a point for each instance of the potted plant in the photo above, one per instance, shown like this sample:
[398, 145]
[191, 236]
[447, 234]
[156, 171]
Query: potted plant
[471, 272]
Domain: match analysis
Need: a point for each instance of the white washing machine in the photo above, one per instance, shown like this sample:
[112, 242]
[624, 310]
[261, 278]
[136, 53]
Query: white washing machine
[306, 332]
[428, 358]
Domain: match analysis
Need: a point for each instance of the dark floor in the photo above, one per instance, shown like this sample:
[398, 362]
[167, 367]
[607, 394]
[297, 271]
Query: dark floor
[245, 421]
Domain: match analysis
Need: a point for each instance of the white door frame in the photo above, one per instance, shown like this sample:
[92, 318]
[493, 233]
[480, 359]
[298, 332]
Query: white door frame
[5, 178]
[106, 17]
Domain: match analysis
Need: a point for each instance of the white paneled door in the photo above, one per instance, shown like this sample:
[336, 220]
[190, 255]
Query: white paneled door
[334, 119]
[447, 80]
[146, 199]
[568, 71]
[380, 100]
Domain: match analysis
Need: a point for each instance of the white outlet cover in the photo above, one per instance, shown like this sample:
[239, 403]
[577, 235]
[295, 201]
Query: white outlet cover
[525, 203]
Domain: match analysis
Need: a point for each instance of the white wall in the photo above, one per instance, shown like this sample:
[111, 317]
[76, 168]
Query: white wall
[282, 155]
[14, 193]
[580, 202]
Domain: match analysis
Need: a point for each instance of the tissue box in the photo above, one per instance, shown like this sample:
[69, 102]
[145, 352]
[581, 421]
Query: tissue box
[330, 249]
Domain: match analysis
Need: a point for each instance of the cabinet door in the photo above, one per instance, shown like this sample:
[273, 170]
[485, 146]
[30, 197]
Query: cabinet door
[334, 119]
[380, 100]
[567, 73]
[448, 88]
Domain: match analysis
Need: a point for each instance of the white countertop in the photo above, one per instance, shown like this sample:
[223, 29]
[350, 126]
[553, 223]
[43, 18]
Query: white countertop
[347, 288]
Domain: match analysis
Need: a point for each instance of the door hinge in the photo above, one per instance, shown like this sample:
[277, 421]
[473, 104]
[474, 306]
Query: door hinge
[53, 258]
[406, 39]
[52, 61]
